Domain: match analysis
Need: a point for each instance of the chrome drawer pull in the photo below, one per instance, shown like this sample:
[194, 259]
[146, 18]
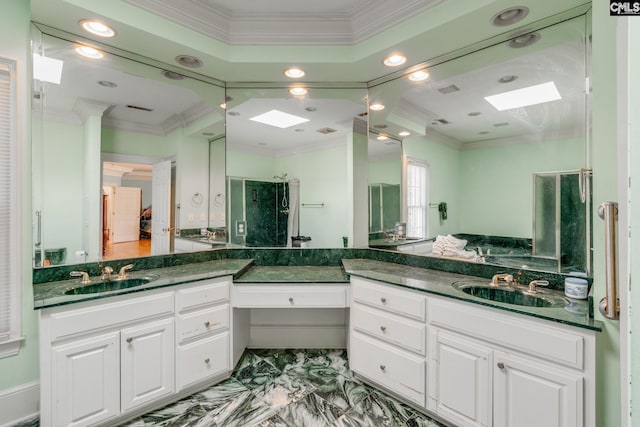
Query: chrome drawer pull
[129, 340]
[383, 328]
[383, 368]
[500, 365]
[383, 300]
[206, 360]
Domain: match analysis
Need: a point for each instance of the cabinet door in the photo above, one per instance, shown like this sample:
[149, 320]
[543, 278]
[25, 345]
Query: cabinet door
[531, 394]
[86, 381]
[460, 382]
[147, 362]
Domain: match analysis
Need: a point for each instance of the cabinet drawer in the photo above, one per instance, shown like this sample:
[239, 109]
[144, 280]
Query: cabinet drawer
[392, 368]
[99, 315]
[303, 295]
[530, 337]
[211, 292]
[389, 327]
[388, 298]
[202, 359]
[201, 322]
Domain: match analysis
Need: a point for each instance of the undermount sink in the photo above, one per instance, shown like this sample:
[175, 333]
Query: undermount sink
[510, 296]
[109, 285]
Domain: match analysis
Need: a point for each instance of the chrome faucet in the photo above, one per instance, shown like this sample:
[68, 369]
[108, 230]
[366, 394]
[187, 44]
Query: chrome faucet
[122, 274]
[85, 276]
[106, 273]
[532, 285]
[502, 277]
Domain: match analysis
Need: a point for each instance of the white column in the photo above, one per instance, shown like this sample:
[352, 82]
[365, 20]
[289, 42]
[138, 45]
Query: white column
[358, 178]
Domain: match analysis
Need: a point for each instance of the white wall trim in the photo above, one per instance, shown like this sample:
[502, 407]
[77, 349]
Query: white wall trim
[19, 403]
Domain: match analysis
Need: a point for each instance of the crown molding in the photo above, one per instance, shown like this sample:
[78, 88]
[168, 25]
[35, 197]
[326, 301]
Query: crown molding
[344, 27]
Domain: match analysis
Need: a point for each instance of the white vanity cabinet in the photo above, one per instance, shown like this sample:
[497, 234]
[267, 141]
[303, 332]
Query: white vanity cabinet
[99, 359]
[106, 360]
[490, 368]
[202, 331]
[471, 365]
[387, 337]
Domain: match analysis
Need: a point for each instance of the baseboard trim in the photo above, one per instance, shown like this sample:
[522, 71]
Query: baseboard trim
[19, 403]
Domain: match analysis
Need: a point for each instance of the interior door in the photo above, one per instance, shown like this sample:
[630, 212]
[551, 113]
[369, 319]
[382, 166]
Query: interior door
[126, 214]
[161, 208]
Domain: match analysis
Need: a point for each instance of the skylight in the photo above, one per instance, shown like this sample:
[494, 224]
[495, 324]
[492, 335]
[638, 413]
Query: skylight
[524, 97]
[47, 69]
[278, 119]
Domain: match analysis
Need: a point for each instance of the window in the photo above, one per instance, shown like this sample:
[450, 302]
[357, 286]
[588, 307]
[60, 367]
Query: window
[417, 203]
[9, 227]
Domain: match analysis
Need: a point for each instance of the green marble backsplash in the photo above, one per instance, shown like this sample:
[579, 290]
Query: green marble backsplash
[297, 257]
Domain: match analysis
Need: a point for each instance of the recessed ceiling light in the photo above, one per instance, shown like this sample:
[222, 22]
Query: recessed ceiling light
[223, 105]
[89, 52]
[189, 61]
[233, 113]
[524, 41]
[404, 133]
[278, 119]
[47, 69]
[530, 95]
[172, 75]
[510, 16]
[208, 133]
[299, 130]
[381, 126]
[98, 28]
[107, 83]
[376, 106]
[382, 137]
[507, 79]
[474, 113]
[418, 76]
[311, 109]
[394, 60]
[294, 72]
[298, 91]
[484, 132]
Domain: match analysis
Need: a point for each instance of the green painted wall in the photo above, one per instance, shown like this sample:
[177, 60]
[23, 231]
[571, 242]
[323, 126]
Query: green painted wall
[250, 165]
[444, 181]
[495, 190]
[14, 44]
[604, 163]
[386, 171]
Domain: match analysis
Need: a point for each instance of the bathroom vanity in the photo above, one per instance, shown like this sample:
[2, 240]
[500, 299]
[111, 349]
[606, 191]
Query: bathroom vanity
[114, 355]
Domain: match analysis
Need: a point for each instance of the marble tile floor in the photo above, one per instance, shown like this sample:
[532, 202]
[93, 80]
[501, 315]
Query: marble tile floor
[287, 388]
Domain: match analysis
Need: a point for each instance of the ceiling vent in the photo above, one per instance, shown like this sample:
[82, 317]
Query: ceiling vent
[136, 107]
[327, 130]
[448, 89]
[499, 125]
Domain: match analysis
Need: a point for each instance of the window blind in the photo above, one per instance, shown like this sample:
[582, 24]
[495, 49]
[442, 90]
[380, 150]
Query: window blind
[6, 191]
[416, 199]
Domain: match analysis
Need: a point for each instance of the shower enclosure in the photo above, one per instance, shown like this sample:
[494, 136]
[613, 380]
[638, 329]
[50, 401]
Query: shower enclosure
[259, 211]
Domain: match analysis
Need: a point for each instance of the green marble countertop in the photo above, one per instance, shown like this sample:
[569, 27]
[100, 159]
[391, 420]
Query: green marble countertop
[293, 274]
[575, 313]
[53, 293]
[392, 244]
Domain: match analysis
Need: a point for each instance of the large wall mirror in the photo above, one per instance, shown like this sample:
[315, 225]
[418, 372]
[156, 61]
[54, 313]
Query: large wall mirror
[502, 134]
[288, 162]
[126, 155]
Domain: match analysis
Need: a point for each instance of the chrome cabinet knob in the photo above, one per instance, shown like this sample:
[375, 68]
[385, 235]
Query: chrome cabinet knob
[207, 360]
[383, 328]
[291, 300]
[129, 340]
[383, 368]
[383, 300]
[207, 324]
[500, 365]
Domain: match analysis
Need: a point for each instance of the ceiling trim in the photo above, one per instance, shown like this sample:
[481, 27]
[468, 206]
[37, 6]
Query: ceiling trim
[347, 27]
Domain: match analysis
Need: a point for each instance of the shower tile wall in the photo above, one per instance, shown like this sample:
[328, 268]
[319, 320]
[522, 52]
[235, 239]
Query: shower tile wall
[264, 214]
